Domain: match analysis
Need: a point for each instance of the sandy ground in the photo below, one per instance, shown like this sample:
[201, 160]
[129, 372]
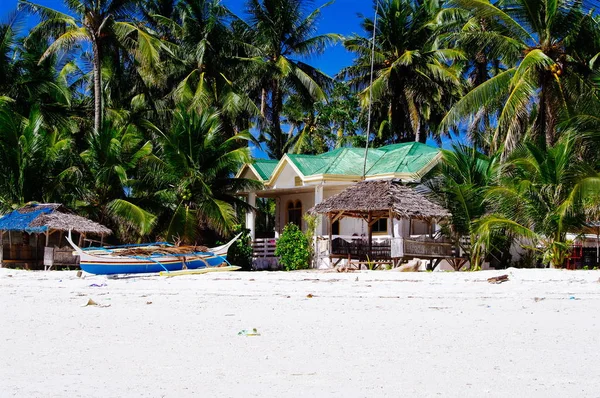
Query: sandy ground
[366, 334]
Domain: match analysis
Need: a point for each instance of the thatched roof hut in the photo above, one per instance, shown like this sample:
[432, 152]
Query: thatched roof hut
[49, 217]
[382, 198]
[33, 236]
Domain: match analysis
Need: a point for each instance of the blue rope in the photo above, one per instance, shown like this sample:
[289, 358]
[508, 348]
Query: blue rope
[149, 259]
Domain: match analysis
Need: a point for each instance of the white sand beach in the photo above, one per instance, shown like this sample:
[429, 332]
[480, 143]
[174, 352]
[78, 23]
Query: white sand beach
[367, 334]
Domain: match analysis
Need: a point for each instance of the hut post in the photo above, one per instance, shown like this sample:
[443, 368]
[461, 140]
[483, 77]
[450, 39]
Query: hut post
[597, 245]
[391, 217]
[330, 217]
[102, 240]
[37, 248]
[370, 218]
[1, 247]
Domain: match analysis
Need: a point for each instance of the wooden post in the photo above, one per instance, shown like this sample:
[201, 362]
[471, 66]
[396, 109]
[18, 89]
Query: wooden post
[330, 217]
[102, 240]
[369, 218]
[1, 248]
[37, 248]
[391, 218]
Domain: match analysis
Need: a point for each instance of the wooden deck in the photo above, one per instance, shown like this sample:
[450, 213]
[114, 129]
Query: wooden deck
[355, 251]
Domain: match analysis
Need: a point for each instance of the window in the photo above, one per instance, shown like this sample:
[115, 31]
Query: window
[380, 226]
[297, 181]
[335, 228]
[294, 213]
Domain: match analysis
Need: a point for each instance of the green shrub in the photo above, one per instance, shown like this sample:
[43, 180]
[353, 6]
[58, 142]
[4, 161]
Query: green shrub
[240, 253]
[293, 248]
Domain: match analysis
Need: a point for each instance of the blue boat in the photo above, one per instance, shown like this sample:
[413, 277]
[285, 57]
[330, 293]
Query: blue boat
[112, 260]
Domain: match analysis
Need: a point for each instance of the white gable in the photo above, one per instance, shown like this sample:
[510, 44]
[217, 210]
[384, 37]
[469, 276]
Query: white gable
[249, 174]
[287, 177]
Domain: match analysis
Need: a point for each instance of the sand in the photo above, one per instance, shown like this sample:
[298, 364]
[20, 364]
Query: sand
[367, 334]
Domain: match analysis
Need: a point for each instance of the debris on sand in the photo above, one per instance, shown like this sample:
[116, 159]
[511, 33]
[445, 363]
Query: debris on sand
[253, 332]
[91, 302]
[498, 279]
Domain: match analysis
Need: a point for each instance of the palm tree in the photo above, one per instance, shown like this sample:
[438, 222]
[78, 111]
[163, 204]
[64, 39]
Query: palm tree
[546, 47]
[31, 158]
[205, 69]
[283, 33]
[540, 196]
[105, 24]
[460, 183]
[195, 186]
[107, 173]
[414, 81]
[316, 127]
[9, 30]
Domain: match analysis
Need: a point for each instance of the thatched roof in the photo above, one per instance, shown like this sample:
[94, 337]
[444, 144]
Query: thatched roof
[64, 221]
[42, 217]
[381, 196]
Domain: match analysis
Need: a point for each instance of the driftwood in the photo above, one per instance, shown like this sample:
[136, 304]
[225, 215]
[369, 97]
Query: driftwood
[498, 279]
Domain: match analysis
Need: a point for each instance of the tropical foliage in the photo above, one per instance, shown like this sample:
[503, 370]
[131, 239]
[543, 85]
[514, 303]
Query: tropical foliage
[138, 113]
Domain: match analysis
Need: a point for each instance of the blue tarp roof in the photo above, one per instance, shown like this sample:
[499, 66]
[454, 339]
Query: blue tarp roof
[21, 219]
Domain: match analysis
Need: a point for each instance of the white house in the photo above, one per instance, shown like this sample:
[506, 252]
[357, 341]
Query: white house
[299, 182]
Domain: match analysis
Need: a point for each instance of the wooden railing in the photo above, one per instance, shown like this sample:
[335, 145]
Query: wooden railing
[263, 248]
[263, 254]
[429, 247]
[358, 248]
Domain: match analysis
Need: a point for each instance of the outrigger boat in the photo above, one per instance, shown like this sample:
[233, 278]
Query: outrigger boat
[148, 258]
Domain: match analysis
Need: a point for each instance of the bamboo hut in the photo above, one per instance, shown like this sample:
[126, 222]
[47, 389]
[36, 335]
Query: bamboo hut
[33, 236]
[372, 200]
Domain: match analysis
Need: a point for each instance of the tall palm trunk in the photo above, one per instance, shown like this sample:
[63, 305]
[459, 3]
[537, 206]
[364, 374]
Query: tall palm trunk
[276, 107]
[97, 86]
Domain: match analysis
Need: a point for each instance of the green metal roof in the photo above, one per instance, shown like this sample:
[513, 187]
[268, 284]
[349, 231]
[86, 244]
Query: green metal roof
[405, 158]
[265, 167]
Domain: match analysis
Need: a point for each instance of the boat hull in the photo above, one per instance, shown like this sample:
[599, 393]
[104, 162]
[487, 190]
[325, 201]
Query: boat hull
[107, 261]
[106, 265]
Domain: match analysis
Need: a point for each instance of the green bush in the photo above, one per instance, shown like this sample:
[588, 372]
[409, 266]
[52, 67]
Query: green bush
[293, 248]
[240, 253]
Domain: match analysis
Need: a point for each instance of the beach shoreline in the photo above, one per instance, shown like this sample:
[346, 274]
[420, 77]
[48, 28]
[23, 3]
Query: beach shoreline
[363, 334]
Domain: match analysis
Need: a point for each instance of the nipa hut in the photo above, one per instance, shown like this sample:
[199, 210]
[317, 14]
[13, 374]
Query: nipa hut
[374, 200]
[34, 236]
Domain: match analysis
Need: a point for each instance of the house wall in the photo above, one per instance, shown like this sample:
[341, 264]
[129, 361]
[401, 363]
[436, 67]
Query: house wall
[307, 199]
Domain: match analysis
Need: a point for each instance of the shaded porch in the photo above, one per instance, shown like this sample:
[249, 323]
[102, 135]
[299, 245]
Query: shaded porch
[373, 201]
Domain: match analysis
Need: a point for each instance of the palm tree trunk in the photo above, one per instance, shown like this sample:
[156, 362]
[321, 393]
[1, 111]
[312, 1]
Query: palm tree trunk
[263, 102]
[97, 87]
[276, 133]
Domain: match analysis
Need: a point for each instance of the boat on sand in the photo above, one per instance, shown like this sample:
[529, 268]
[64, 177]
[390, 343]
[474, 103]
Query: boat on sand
[149, 258]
